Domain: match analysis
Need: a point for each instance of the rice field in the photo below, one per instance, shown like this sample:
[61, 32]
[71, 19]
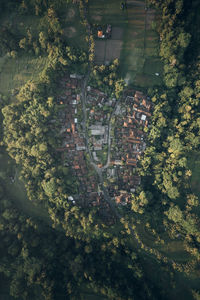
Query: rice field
[139, 60]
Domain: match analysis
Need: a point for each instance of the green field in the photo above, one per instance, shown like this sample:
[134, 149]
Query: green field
[139, 59]
[16, 72]
[74, 31]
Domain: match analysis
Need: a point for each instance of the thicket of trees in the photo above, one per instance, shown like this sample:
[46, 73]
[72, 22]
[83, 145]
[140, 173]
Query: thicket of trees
[43, 263]
[174, 134]
[107, 79]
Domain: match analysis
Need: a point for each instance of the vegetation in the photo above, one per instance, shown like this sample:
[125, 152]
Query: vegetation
[174, 135]
[135, 28]
[52, 249]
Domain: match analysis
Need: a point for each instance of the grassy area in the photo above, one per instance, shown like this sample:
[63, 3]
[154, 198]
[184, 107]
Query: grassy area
[139, 56]
[74, 31]
[16, 72]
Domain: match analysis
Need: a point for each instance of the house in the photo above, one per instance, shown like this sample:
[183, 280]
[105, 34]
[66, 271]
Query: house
[97, 129]
[73, 128]
[73, 101]
[138, 94]
[100, 34]
[76, 167]
[117, 162]
[112, 172]
[97, 147]
[75, 76]
[95, 156]
[80, 147]
[143, 117]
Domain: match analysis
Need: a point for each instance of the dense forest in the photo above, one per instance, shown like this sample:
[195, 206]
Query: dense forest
[174, 136]
[68, 250]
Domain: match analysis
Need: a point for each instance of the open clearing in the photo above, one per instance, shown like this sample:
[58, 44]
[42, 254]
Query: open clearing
[15, 72]
[133, 40]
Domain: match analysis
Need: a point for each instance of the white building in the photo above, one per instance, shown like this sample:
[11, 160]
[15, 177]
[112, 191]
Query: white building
[97, 129]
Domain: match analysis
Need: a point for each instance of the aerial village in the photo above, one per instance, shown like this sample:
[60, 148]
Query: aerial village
[128, 143]
[115, 139]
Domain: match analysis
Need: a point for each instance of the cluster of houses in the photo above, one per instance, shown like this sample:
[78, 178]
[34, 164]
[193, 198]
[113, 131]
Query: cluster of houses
[73, 143]
[128, 145]
[104, 33]
[99, 107]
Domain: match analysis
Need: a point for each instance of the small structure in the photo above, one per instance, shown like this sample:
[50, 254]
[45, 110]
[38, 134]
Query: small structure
[108, 29]
[117, 162]
[97, 129]
[74, 102]
[100, 34]
[143, 117]
[95, 156]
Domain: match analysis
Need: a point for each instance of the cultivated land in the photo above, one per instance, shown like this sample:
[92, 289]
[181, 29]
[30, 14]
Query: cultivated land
[133, 40]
